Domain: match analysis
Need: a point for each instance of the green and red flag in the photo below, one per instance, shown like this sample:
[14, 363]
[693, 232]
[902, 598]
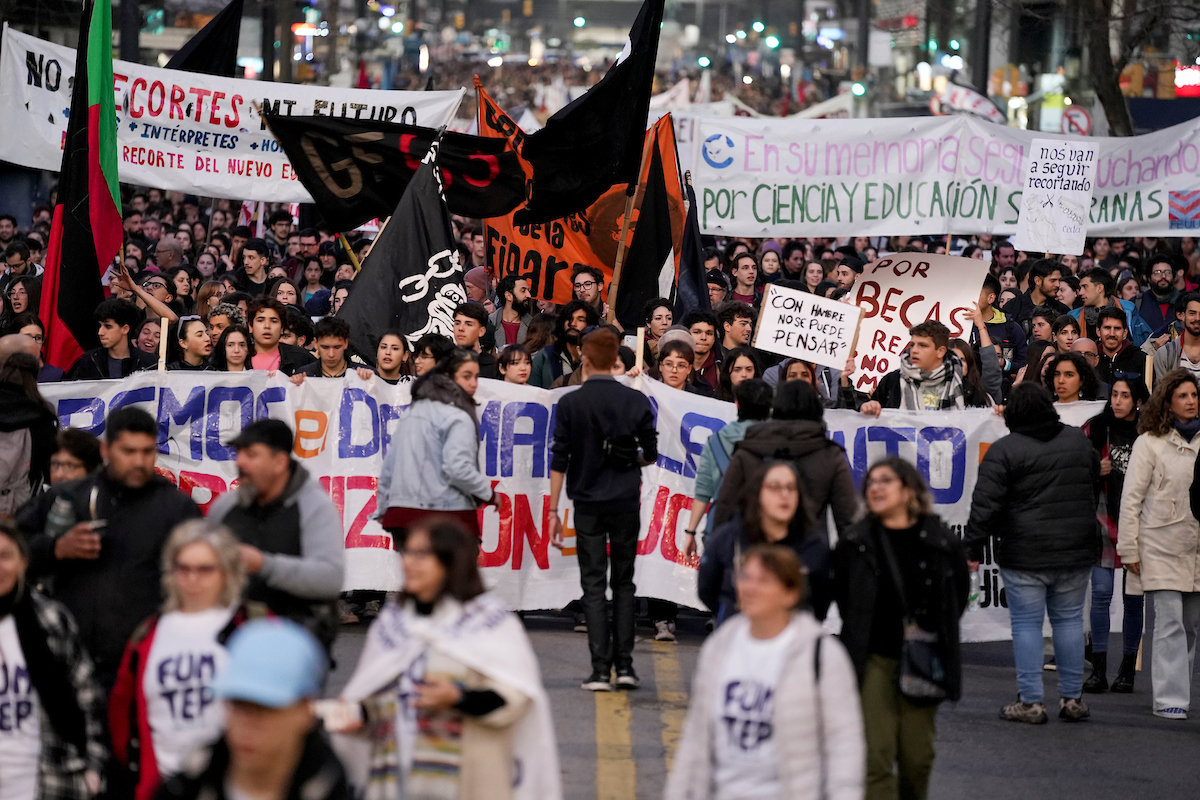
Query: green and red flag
[85, 235]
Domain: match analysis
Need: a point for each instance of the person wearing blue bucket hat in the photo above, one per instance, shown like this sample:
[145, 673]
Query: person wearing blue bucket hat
[272, 745]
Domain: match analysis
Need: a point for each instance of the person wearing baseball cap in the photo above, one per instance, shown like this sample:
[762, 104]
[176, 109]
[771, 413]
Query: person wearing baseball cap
[291, 532]
[272, 745]
[718, 287]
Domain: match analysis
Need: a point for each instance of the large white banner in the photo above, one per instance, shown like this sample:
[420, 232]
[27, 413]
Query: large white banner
[344, 429]
[926, 175]
[182, 131]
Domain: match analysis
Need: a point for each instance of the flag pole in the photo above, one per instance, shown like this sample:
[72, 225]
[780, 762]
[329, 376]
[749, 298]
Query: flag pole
[627, 227]
[349, 252]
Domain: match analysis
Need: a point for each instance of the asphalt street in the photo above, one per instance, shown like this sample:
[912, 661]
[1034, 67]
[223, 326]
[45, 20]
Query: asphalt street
[619, 746]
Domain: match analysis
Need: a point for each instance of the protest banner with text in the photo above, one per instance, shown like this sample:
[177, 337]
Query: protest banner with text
[183, 131]
[344, 429]
[1059, 178]
[806, 326]
[903, 290]
[926, 175]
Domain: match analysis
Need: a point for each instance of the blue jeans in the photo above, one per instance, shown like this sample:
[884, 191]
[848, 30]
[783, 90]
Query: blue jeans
[1031, 596]
[1103, 581]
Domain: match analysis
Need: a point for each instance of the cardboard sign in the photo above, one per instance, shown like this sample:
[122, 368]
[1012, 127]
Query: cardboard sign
[903, 290]
[1059, 178]
[806, 326]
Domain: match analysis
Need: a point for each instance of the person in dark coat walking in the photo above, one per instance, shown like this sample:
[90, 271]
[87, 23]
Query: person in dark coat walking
[900, 528]
[796, 434]
[1036, 496]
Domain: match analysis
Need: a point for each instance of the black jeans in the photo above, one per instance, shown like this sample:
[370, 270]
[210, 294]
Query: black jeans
[618, 534]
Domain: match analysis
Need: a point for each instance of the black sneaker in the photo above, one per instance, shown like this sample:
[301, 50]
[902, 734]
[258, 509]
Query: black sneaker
[597, 682]
[627, 678]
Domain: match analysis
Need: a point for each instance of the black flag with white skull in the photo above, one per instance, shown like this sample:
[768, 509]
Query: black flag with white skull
[412, 280]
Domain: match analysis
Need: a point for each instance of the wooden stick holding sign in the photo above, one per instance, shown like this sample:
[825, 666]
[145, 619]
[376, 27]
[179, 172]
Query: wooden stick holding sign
[163, 335]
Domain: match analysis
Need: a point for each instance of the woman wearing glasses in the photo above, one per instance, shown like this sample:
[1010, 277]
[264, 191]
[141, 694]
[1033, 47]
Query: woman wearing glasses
[25, 294]
[162, 706]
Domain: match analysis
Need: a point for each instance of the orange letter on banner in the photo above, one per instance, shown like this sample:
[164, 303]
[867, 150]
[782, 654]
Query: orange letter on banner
[314, 434]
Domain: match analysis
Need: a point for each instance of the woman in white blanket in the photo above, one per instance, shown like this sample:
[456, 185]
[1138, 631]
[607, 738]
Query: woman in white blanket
[447, 696]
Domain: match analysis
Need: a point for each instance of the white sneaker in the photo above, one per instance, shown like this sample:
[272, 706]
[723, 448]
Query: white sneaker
[664, 631]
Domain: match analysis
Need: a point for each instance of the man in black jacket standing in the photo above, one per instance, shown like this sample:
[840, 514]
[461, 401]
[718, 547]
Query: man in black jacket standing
[604, 433]
[116, 357]
[107, 567]
[1036, 496]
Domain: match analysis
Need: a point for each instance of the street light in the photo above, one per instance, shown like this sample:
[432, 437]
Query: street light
[741, 34]
[758, 27]
[954, 44]
[731, 39]
[703, 61]
[858, 89]
[772, 42]
[580, 22]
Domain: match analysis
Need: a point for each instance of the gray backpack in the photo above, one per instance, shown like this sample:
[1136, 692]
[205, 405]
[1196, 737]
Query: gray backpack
[16, 451]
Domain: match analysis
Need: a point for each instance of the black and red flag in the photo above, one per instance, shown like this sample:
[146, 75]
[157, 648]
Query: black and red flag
[85, 235]
[357, 170]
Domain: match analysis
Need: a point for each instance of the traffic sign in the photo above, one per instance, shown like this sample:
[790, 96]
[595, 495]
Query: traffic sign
[1076, 121]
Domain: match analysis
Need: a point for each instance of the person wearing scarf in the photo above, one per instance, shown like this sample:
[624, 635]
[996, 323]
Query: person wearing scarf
[1159, 539]
[930, 377]
[1112, 433]
[53, 747]
[446, 700]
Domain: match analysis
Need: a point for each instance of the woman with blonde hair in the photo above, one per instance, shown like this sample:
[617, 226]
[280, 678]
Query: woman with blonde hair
[162, 706]
[1158, 540]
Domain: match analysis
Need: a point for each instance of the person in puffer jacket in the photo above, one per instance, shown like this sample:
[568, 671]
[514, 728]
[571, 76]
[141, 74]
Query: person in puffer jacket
[1036, 496]
[432, 463]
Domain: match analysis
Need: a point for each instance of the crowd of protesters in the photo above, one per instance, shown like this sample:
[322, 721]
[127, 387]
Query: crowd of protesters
[148, 634]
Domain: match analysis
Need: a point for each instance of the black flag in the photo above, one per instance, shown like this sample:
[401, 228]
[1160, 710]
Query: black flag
[412, 279]
[213, 51]
[357, 170]
[692, 291]
[653, 254]
[595, 141]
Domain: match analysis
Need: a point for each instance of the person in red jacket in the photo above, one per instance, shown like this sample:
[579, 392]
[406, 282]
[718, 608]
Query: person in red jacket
[163, 706]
